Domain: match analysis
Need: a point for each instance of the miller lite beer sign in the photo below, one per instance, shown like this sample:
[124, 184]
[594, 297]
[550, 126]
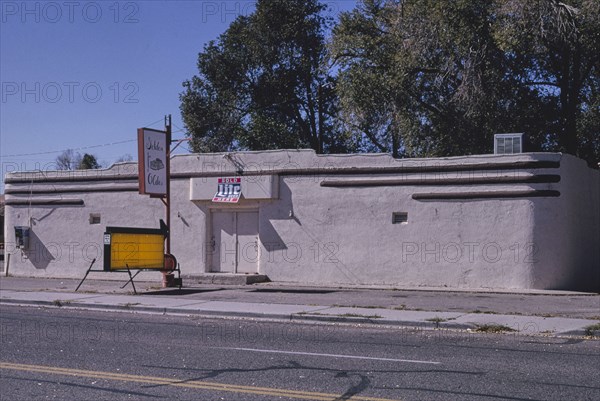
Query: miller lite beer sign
[229, 190]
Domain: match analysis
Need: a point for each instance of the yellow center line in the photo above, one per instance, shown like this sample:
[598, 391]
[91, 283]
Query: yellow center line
[196, 384]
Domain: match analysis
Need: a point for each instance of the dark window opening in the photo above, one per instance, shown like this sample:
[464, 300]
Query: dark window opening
[399, 218]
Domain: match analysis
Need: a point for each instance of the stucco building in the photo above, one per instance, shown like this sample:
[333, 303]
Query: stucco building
[524, 221]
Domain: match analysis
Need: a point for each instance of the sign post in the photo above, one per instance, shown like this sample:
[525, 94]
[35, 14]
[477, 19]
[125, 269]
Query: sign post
[154, 171]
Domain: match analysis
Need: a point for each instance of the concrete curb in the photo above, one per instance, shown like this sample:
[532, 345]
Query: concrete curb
[298, 317]
[295, 317]
[301, 317]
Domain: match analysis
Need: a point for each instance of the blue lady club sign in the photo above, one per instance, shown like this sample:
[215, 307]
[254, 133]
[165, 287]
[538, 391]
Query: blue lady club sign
[152, 162]
[228, 190]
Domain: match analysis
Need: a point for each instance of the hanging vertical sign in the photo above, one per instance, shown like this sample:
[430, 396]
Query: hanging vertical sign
[152, 162]
[228, 190]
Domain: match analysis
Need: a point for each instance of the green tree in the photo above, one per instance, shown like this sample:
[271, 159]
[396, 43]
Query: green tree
[71, 160]
[264, 84]
[415, 75]
[553, 47]
[88, 162]
[424, 77]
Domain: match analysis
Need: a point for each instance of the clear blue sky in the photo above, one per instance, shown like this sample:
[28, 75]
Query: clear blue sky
[84, 75]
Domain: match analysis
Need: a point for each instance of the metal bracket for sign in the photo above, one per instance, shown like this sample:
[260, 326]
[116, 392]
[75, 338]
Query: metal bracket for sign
[178, 270]
[86, 274]
[125, 285]
[104, 271]
[130, 279]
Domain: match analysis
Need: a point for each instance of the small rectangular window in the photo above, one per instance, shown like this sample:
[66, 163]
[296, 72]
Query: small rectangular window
[399, 218]
[94, 218]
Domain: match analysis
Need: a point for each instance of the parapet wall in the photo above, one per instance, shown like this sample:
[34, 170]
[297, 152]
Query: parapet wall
[527, 221]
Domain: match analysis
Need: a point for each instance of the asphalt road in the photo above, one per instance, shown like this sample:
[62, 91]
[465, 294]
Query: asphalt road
[83, 355]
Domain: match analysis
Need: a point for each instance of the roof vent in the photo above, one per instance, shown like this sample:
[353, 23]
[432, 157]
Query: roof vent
[508, 143]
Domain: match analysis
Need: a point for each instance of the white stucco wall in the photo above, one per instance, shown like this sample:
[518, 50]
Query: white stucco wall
[321, 220]
[566, 230]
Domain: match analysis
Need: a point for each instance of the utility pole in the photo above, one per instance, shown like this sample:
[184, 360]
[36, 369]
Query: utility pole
[168, 195]
[157, 183]
[167, 199]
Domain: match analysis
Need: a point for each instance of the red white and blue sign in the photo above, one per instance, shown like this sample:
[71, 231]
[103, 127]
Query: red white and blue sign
[229, 190]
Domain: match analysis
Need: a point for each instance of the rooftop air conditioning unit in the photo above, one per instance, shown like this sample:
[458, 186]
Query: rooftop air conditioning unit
[508, 143]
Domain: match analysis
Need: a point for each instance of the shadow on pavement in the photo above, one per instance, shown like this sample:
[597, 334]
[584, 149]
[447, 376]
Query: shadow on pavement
[181, 291]
[293, 291]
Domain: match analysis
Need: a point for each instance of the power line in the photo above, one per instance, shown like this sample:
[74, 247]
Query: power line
[62, 150]
[79, 148]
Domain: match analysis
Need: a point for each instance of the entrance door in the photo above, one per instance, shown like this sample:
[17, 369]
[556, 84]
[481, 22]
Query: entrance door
[234, 242]
[247, 242]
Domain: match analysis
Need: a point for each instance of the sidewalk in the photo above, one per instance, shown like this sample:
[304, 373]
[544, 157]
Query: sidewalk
[537, 313]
